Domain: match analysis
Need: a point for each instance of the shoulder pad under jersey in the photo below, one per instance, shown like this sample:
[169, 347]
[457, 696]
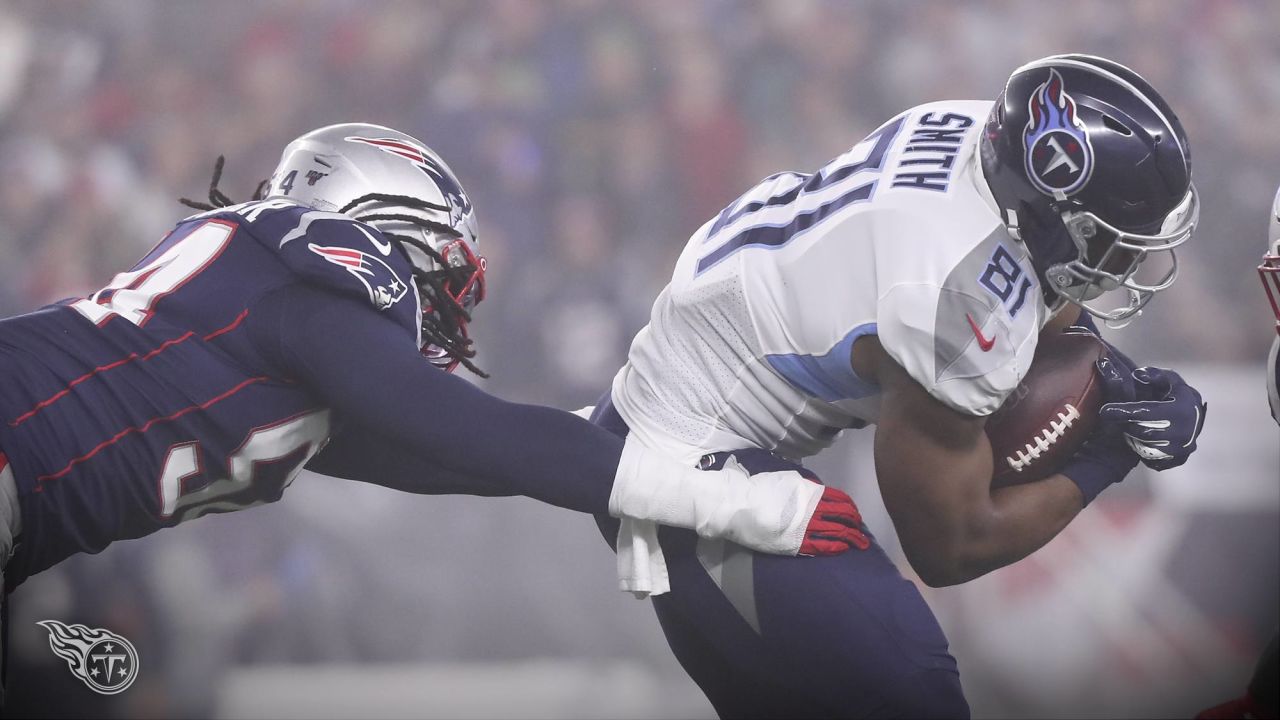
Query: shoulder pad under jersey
[334, 252]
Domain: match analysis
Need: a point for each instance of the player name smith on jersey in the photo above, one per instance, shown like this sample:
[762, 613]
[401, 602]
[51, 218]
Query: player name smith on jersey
[148, 403]
[749, 344]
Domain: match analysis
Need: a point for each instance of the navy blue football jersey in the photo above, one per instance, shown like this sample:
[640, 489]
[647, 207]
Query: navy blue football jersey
[149, 403]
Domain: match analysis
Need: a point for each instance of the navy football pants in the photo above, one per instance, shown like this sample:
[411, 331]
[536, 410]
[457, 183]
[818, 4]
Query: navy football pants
[778, 637]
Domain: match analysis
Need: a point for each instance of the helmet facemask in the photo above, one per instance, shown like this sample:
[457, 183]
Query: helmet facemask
[455, 287]
[1269, 272]
[1108, 259]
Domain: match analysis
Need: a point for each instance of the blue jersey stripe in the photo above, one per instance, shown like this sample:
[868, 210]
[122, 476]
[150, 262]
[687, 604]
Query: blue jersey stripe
[828, 376]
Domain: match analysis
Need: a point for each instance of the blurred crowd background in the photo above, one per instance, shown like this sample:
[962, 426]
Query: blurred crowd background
[593, 137]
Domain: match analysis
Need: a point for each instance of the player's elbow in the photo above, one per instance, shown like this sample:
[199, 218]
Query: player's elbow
[951, 558]
[942, 578]
[938, 569]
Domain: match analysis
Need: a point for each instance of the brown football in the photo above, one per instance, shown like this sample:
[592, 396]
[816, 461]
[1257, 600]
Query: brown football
[1052, 411]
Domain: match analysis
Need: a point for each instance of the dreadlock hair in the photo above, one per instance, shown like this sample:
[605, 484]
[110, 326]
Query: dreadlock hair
[218, 199]
[443, 326]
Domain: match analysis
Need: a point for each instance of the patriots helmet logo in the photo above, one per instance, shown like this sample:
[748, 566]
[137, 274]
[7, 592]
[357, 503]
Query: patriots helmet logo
[1059, 156]
[383, 284]
[104, 661]
[459, 203]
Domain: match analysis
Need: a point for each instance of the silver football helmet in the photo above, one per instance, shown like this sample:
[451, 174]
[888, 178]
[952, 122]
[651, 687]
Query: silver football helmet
[1269, 270]
[395, 183]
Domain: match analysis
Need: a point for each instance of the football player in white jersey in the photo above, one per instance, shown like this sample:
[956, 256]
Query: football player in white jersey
[904, 285]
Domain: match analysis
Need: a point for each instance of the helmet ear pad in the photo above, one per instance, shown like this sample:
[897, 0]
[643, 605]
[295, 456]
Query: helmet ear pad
[1046, 238]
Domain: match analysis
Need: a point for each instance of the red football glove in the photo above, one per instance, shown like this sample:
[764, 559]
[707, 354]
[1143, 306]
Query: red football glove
[835, 526]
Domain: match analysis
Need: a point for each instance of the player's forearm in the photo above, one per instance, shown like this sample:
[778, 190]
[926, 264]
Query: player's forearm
[1019, 520]
[953, 527]
[542, 453]
[358, 454]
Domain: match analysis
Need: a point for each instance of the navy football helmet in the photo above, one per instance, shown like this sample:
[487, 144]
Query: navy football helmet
[1091, 170]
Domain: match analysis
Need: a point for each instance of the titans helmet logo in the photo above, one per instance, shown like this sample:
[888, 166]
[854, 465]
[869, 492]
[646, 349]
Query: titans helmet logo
[105, 662]
[1059, 156]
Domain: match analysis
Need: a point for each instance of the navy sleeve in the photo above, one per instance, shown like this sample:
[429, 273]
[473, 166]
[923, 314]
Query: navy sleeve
[357, 453]
[359, 363]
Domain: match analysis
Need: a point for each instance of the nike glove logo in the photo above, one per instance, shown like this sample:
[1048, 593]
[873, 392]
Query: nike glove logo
[983, 342]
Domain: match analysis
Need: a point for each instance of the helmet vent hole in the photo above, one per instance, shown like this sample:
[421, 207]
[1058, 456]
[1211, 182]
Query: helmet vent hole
[1116, 126]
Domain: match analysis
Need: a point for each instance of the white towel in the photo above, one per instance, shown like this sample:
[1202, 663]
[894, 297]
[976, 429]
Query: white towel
[767, 512]
[642, 570]
[770, 510]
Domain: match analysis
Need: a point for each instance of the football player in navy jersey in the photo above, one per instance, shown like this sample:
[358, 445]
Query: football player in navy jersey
[261, 338]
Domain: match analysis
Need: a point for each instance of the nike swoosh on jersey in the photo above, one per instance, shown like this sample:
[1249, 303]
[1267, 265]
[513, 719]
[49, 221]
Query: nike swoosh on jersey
[383, 247]
[983, 342]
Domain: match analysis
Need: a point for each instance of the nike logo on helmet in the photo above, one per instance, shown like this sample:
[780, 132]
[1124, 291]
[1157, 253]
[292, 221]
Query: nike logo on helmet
[983, 342]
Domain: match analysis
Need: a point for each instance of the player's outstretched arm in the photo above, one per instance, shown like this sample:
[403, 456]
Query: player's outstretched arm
[362, 365]
[357, 453]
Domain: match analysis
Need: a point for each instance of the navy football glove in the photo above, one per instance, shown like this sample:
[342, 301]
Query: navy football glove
[1105, 458]
[1162, 425]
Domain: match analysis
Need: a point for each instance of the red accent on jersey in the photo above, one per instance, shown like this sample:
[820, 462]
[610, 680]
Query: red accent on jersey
[124, 361]
[147, 426]
[983, 342]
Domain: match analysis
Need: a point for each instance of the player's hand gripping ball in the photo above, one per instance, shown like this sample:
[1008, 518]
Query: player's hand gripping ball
[1052, 411]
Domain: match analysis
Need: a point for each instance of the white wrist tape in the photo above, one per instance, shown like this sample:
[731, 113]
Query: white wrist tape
[768, 512]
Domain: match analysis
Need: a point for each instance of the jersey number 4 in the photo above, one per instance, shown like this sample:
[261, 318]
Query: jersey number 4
[133, 294]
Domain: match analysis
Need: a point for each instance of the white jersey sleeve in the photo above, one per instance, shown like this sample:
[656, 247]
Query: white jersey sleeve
[968, 337]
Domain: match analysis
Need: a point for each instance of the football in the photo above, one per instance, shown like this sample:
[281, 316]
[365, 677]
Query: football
[1051, 412]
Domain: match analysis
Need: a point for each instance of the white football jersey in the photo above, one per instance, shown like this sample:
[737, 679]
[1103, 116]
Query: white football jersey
[749, 345]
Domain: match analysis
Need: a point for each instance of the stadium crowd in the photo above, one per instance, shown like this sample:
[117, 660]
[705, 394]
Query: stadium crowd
[593, 137]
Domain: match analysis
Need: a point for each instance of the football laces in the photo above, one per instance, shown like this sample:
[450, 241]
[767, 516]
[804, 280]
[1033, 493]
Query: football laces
[1044, 439]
